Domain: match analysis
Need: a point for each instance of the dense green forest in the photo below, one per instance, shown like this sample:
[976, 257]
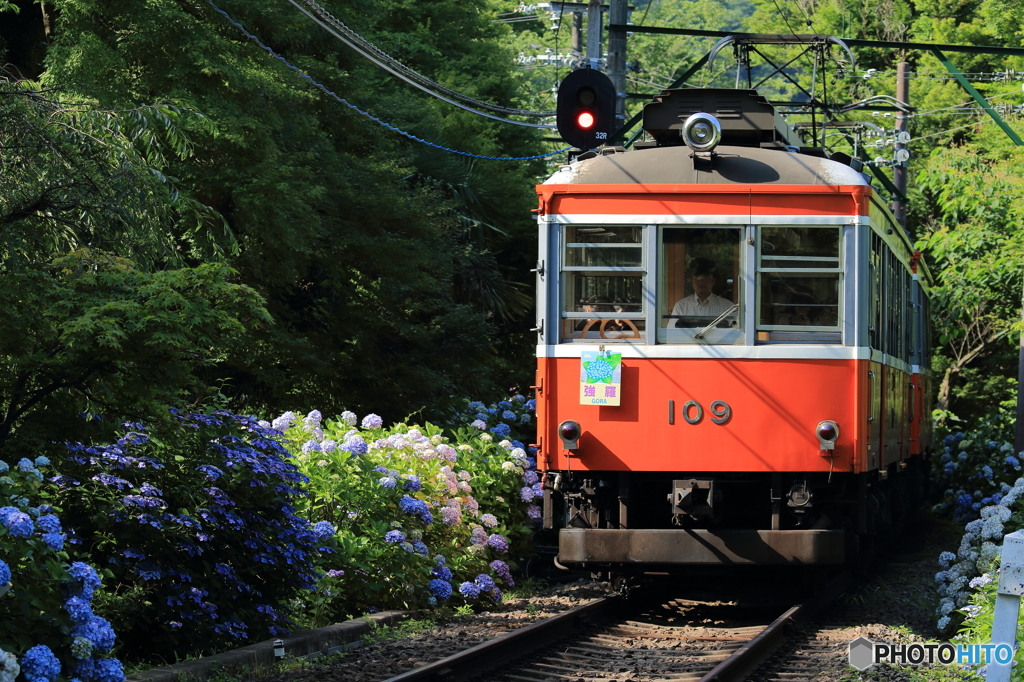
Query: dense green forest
[187, 220]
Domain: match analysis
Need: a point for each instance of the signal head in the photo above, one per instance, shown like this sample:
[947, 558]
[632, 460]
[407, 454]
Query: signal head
[586, 109]
[702, 132]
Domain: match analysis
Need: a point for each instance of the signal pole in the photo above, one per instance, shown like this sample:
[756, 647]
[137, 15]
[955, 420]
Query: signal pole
[618, 15]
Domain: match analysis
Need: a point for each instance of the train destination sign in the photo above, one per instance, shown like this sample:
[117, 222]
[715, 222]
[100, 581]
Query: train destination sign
[600, 378]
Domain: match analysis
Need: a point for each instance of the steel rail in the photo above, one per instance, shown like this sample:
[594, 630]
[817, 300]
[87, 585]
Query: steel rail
[493, 653]
[748, 657]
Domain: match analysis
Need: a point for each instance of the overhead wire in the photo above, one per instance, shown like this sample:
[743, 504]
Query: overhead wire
[355, 108]
[339, 30]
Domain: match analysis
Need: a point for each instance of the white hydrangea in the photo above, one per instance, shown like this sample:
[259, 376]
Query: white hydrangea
[349, 418]
[9, 668]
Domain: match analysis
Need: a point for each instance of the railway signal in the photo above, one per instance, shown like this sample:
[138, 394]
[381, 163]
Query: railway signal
[586, 108]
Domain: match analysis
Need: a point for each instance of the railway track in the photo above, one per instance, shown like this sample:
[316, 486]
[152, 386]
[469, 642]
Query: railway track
[647, 638]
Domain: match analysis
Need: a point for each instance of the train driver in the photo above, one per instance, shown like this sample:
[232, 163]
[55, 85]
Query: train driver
[702, 302]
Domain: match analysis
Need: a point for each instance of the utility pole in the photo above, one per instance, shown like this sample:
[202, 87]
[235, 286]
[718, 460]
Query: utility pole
[899, 174]
[594, 34]
[1018, 441]
[618, 15]
[577, 34]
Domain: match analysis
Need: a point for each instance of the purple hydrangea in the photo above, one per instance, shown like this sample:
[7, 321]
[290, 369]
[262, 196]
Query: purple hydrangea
[498, 542]
[440, 588]
[372, 421]
[489, 520]
[394, 537]
[496, 595]
[355, 445]
[335, 573]
[533, 512]
[479, 424]
[502, 569]
[469, 590]
[39, 664]
[311, 446]
[450, 516]
[526, 494]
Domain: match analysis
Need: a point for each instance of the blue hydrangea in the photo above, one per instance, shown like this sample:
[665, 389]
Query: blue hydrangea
[310, 446]
[504, 404]
[25, 464]
[412, 483]
[394, 537]
[4, 468]
[508, 415]
[443, 572]
[469, 590]
[5, 573]
[79, 609]
[531, 405]
[387, 481]
[108, 670]
[355, 445]
[18, 524]
[39, 664]
[987, 472]
[54, 541]
[476, 406]
[1012, 461]
[85, 578]
[518, 398]
[440, 588]
[372, 421]
[525, 418]
[49, 523]
[485, 582]
[81, 648]
[323, 529]
[42, 461]
[98, 631]
[482, 416]
[420, 548]
[502, 430]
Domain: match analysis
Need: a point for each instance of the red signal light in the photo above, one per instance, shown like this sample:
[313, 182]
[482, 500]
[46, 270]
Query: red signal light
[585, 120]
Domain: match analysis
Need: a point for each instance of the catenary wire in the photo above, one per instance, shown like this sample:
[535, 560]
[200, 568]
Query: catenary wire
[368, 115]
[370, 51]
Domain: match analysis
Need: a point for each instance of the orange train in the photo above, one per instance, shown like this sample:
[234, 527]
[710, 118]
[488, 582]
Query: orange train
[733, 352]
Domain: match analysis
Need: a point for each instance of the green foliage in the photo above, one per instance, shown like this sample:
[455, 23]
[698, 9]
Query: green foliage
[195, 522]
[90, 332]
[979, 615]
[363, 249]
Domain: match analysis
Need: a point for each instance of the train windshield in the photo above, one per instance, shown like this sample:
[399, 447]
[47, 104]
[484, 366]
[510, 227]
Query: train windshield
[603, 271]
[700, 294]
[799, 279]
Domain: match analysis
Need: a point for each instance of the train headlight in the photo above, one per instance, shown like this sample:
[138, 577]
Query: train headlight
[702, 132]
[569, 432]
[828, 433]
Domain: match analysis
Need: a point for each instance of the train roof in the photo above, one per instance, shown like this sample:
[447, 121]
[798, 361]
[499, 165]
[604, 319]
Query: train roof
[729, 166]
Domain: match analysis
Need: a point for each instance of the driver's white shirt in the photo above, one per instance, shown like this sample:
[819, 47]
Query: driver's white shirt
[712, 306]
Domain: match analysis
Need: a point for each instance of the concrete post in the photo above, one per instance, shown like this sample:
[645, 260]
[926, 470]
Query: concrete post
[1008, 594]
[594, 34]
[618, 14]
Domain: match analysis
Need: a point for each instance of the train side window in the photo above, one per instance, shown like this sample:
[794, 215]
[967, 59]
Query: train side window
[799, 284]
[603, 269]
[699, 295]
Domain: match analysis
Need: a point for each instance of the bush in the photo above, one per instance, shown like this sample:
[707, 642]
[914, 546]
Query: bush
[49, 601]
[974, 470]
[196, 524]
[421, 518]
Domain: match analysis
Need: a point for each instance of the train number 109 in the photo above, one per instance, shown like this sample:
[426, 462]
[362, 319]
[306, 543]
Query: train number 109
[693, 413]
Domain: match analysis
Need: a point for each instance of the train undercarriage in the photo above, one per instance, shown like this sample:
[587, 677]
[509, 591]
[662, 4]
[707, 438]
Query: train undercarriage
[637, 522]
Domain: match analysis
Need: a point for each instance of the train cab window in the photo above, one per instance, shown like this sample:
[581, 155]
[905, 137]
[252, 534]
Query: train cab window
[699, 293]
[799, 284]
[603, 269]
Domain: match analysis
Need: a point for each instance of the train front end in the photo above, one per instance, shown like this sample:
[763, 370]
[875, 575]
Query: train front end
[705, 371]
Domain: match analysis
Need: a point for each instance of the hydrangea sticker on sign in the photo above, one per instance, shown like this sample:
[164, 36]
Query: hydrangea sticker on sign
[600, 378]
